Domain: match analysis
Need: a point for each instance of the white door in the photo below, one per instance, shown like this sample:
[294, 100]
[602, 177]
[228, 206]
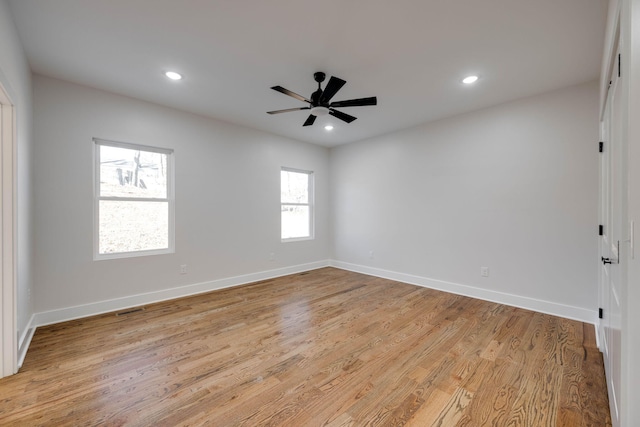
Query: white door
[611, 203]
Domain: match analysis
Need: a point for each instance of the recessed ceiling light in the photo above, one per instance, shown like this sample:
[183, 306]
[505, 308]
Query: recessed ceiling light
[469, 79]
[173, 75]
[328, 127]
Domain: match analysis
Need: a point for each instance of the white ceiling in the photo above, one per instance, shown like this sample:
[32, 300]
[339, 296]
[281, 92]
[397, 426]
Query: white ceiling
[411, 54]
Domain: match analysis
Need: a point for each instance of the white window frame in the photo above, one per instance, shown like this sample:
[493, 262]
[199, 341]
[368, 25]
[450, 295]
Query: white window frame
[170, 199]
[310, 204]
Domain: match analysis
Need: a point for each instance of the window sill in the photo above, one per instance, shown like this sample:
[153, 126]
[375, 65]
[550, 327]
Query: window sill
[119, 255]
[297, 239]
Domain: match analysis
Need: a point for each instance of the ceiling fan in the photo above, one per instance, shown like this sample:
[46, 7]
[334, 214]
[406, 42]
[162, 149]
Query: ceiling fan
[320, 104]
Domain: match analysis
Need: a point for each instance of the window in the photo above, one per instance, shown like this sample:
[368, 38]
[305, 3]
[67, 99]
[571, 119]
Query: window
[296, 198]
[133, 200]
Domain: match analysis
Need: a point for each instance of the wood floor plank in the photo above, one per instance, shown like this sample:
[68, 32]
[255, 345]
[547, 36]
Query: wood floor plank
[454, 409]
[323, 348]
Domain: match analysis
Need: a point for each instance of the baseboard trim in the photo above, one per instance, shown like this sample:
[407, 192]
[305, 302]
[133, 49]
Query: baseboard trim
[547, 307]
[25, 340]
[101, 307]
[107, 306]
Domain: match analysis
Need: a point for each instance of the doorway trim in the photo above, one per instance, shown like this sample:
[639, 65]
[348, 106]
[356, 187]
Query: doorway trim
[8, 297]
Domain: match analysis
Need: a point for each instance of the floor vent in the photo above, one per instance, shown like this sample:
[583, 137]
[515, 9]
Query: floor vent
[131, 311]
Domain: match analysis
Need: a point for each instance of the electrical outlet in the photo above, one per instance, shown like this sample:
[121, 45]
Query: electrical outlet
[371, 254]
[484, 271]
[272, 256]
[183, 269]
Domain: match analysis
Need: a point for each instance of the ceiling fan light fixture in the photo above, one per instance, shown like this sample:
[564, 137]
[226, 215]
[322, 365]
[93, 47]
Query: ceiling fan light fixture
[173, 75]
[319, 111]
[470, 79]
[328, 128]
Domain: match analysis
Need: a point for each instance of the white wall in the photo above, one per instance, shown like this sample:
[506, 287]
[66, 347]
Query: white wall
[513, 188]
[227, 197]
[15, 77]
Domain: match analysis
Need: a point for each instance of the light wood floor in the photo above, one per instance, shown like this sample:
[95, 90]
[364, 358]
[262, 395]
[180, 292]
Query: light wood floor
[327, 347]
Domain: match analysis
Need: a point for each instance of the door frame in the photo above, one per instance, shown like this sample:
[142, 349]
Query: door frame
[8, 285]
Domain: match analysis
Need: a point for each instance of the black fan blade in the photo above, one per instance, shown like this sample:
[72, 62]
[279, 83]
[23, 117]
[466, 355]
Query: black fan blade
[309, 120]
[334, 85]
[293, 94]
[355, 102]
[342, 116]
[288, 110]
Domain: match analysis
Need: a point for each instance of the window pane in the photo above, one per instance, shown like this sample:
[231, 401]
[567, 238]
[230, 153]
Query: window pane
[294, 187]
[295, 221]
[132, 226]
[127, 172]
